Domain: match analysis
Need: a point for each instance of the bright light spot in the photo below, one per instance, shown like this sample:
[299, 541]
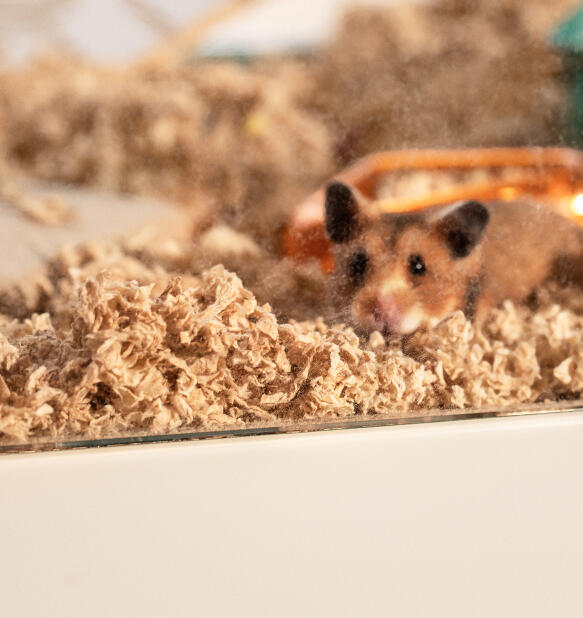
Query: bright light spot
[508, 193]
[577, 204]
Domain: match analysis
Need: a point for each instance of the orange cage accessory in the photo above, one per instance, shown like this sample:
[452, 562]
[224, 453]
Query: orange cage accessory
[555, 174]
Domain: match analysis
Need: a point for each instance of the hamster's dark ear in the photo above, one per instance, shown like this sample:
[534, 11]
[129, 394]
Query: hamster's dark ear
[462, 227]
[342, 210]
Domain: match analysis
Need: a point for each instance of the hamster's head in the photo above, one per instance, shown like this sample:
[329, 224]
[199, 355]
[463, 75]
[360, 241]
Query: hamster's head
[397, 273]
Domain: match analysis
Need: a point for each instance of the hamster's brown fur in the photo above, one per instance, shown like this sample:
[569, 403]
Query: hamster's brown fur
[400, 272]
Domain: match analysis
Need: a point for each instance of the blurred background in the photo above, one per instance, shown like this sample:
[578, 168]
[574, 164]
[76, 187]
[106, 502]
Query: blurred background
[235, 110]
[117, 30]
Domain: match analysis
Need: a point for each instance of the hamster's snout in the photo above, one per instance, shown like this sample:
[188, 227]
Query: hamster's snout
[386, 314]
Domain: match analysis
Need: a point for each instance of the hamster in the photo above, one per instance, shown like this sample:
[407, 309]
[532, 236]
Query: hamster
[400, 272]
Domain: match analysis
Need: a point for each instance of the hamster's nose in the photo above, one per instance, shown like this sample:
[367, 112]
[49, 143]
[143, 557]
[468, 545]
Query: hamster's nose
[386, 313]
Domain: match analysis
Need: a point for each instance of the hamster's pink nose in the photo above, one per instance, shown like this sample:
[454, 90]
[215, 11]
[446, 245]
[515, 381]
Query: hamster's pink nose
[386, 314]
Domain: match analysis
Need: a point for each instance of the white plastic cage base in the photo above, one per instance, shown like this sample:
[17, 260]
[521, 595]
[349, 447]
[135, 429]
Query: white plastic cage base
[455, 519]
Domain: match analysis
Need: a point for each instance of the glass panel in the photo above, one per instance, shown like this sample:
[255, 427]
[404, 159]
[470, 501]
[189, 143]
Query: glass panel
[374, 219]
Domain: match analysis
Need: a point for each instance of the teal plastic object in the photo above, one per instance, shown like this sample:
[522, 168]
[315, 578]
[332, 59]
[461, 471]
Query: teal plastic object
[568, 40]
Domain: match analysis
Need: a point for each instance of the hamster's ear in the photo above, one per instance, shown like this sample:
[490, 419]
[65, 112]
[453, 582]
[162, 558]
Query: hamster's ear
[342, 209]
[462, 227]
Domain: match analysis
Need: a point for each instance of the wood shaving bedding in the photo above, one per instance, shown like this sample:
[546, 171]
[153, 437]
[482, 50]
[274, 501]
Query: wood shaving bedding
[168, 355]
[445, 73]
[207, 135]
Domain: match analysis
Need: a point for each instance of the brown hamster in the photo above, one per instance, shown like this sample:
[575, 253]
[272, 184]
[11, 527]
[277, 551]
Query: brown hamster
[399, 272]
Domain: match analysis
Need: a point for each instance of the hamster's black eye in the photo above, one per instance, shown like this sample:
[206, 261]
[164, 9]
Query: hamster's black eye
[358, 264]
[416, 265]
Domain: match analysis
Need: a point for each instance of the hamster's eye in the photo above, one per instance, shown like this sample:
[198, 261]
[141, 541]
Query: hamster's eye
[416, 265]
[358, 264]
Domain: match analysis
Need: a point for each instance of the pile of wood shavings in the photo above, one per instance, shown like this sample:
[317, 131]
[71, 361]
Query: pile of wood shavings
[213, 136]
[202, 353]
[456, 72]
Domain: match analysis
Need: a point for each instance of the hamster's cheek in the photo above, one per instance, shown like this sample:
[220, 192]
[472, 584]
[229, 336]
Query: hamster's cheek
[412, 320]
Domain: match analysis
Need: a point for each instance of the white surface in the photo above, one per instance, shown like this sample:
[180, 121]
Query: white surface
[458, 519]
[25, 245]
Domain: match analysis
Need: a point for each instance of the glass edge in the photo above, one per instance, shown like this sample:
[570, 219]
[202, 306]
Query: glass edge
[432, 416]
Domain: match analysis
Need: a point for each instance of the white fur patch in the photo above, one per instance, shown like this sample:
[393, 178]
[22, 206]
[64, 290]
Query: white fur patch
[412, 320]
[393, 284]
